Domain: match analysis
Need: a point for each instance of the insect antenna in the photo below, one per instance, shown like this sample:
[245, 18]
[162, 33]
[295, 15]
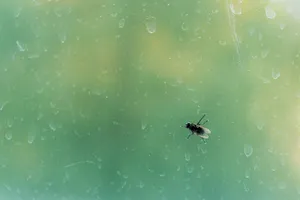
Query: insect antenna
[201, 119]
[205, 122]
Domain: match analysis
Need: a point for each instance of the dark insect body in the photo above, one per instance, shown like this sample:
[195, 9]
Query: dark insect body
[198, 129]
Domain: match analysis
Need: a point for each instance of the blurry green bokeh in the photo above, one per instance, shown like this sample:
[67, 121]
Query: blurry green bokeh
[95, 96]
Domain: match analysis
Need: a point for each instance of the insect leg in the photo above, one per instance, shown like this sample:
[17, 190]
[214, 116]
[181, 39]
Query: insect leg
[201, 119]
[189, 135]
[203, 140]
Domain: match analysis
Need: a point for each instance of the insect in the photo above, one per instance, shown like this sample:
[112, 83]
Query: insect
[198, 129]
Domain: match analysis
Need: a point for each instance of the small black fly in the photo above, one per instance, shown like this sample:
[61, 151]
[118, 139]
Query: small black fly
[198, 129]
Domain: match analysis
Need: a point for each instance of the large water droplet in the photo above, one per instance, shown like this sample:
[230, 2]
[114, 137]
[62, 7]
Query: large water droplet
[248, 150]
[270, 13]
[151, 24]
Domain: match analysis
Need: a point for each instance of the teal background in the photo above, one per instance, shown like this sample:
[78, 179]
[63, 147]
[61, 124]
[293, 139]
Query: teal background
[95, 96]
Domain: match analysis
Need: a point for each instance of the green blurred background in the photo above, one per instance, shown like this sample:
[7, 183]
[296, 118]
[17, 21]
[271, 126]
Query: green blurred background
[94, 95]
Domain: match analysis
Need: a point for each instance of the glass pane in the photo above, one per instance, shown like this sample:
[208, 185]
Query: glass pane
[101, 99]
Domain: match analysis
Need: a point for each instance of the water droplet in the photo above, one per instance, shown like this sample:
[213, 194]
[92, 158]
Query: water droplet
[190, 170]
[275, 74]
[151, 24]
[260, 126]
[141, 184]
[247, 174]
[184, 27]
[282, 185]
[222, 42]
[122, 23]
[187, 157]
[282, 26]
[3, 105]
[52, 127]
[20, 46]
[248, 150]
[18, 12]
[31, 137]
[270, 13]
[114, 14]
[99, 166]
[264, 53]
[246, 188]
[144, 125]
[166, 157]
[236, 9]
[62, 37]
[9, 123]
[33, 56]
[8, 135]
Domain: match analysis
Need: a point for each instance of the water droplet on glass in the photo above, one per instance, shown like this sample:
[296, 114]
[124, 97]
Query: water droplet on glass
[20, 46]
[114, 14]
[151, 24]
[184, 27]
[247, 174]
[144, 125]
[52, 127]
[236, 9]
[9, 123]
[18, 12]
[33, 56]
[246, 188]
[275, 74]
[8, 135]
[282, 26]
[190, 170]
[222, 42]
[260, 126]
[270, 13]
[282, 185]
[264, 53]
[62, 37]
[31, 137]
[141, 185]
[3, 105]
[187, 157]
[122, 23]
[248, 150]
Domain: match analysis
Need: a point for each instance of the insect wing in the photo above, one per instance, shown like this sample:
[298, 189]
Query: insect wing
[206, 130]
[204, 136]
